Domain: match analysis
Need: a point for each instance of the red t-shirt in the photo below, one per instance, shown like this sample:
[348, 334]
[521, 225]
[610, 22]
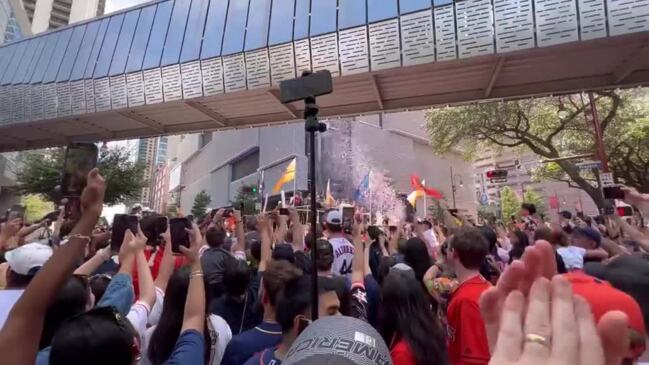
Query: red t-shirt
[467, 337]
[402, 355]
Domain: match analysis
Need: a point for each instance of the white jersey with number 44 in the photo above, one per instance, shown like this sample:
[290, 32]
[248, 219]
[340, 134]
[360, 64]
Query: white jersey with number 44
[343, 256]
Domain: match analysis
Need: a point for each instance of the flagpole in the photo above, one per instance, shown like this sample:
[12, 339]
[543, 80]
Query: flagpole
[295, 182]
[423, 183]
[369, 187]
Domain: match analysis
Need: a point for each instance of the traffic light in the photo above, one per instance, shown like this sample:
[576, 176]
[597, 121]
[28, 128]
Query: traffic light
[497, 175]
[250, 189]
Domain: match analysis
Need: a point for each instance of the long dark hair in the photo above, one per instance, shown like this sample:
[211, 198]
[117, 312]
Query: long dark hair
[408, 314]
[163, 339]
[415, 254]
[519, 247]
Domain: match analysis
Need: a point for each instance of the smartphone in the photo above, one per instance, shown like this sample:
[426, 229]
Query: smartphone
[283, 211]
[348, 219]
[613, 192]
[80, 158]
[122, 222]
[179, 236]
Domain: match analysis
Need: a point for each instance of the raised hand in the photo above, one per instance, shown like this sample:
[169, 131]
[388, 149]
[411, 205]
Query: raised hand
[92, 197]
[195, 240]
[556, 327]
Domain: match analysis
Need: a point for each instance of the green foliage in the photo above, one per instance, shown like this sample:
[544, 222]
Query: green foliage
[531, 196]
[247, 195]
[201, 201]
[509, 203]
[36, 207]
[488, 213]
[41, 174]
[553, 127]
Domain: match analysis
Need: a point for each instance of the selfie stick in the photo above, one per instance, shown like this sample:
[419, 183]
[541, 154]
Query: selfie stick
[307, 88]
[311, 125]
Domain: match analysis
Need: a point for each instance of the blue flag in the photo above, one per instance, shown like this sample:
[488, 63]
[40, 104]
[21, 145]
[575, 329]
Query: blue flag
[363, 189]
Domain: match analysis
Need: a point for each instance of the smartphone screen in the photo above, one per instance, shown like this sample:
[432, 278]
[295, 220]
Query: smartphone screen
[348, 219]
[80, 158]
[613, 192]
[179, 235]
[122, 222]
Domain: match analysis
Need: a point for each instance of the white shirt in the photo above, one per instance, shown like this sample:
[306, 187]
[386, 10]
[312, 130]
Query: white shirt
[8, 299]
[343, 256]
[573, 257]
[139, 317]
[431, 240]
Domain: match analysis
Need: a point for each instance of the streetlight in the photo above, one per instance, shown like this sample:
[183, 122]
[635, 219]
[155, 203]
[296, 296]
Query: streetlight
[453, 186]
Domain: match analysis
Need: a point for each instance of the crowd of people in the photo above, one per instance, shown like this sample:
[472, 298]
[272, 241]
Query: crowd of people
[436, 291]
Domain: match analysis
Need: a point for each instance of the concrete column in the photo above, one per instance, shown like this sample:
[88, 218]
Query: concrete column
[42, 13]
[83, 10]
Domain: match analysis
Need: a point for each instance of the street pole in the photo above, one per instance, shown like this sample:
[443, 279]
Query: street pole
[600, 150]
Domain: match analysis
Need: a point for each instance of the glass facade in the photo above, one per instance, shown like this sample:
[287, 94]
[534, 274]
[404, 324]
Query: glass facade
[169, 32]
[9, 29]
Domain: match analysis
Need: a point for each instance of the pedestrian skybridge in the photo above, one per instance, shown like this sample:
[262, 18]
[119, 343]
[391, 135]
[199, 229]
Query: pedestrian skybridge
[190, 65]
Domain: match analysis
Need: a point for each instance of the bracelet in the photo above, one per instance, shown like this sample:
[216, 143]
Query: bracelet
[81, 237]
[197, 273]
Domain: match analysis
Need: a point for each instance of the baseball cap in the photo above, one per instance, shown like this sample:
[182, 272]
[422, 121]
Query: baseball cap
[24, 259]
[589, 233]
[338, 340]
[603, 298]
[334, 217]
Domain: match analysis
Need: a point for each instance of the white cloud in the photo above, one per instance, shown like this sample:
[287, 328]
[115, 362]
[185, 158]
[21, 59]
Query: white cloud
[115, 5]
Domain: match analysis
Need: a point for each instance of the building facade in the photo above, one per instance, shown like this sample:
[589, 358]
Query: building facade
[160, 195]
[52, 14]
[392, 146]
[152, 153]
[519, 178]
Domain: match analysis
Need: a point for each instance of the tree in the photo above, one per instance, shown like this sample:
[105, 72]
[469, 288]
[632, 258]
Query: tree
[488, 213]
[509, 203]
[531, 196]
[554, 127]
[199, 209]
[41, 174]
[247, 195]
[36, 207]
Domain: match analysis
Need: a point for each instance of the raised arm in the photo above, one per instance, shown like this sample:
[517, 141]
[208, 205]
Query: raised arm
[282, 228]
[264, 232]
[298, 230]
[145, 279]
[91, 265]
[240, 234]
[166, 265]
[20, 335]
[633, 232]
[358, 265]
[9, 230]
[194, 316]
